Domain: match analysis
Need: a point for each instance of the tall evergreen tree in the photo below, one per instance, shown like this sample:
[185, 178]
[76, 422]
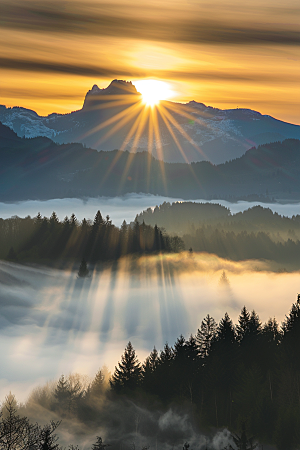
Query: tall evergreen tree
[243, 326]
[83, 270]
[128, 373]
[205, 335]
[291, 336]
[62, 394]
[97, 385]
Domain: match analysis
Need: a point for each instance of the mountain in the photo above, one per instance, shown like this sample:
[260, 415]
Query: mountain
[38, 168]
[110, 119]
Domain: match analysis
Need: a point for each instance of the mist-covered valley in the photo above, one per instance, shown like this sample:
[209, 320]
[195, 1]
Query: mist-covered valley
[149, 242]
[59, 327]
[54, 323]
[125, 207]
[57, 323]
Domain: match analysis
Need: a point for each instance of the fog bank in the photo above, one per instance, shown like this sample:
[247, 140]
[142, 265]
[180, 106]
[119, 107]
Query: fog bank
[120, 208]
[51, 322]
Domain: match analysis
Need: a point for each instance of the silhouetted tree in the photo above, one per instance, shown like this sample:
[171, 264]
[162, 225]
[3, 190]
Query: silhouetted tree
[17, 433]
[48, 439]
[62, 394]
[205, 335]
[99, 445]
[128, 373]
[97, 385]
[83, 269]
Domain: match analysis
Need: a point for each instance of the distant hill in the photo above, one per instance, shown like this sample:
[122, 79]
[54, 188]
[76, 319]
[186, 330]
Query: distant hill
[38, 168]
[256, 233]
[109, 115]
[186, 217]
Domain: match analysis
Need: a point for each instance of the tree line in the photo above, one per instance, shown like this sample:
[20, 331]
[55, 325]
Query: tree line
[18, 433]
[42, 239]
[257, 233]
[39, 169]
[243, 376]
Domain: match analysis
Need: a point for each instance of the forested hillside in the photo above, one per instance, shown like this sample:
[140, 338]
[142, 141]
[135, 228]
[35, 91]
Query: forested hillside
[40, 169]
[49, 241]
[243, 377]
[256, 233]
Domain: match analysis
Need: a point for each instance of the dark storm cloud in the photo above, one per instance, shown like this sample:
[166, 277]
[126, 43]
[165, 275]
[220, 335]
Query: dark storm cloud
[102, 21]
[54, 67]
[41, 66]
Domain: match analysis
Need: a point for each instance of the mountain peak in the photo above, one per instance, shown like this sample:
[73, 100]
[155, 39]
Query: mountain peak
[116, 87]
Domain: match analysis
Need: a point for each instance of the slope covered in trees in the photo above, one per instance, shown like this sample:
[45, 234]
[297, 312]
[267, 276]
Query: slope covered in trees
[38, 168]
[46, 240]
[242, 376]
[256, 233]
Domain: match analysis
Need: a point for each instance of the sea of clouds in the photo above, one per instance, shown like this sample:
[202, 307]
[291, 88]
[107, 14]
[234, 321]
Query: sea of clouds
[120, 208]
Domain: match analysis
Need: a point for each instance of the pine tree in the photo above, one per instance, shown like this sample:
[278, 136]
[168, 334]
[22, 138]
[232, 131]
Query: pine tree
[128, 374]
[98, 220]
[226, 331]
[54, 220]
[83, 269]
[17, 433]
[62, 394]
[291, 336]
[151, 362]
[99, 444]
[242, 442]
[205, 335]
[97, 385]
[149, 371]
[48, 439]
[243, 326]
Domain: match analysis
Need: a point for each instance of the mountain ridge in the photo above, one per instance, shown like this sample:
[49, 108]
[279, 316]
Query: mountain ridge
[39, 168]
[202, 132]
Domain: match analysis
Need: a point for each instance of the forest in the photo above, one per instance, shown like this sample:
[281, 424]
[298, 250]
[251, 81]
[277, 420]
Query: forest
[38, 168]
[257, 233]
[243, 377]
[49, 241]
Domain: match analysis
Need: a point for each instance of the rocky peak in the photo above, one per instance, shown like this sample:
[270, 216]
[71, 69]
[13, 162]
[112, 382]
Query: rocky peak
[116, 87]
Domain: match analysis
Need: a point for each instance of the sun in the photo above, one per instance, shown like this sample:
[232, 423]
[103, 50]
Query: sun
[153, 91]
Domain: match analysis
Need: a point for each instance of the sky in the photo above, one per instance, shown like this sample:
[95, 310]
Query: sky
[224, 54]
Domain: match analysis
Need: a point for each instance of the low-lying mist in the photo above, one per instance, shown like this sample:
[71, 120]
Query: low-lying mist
[53, 323]
[120, 208]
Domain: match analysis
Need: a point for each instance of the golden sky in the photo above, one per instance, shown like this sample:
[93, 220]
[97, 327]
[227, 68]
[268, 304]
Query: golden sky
[221, 53]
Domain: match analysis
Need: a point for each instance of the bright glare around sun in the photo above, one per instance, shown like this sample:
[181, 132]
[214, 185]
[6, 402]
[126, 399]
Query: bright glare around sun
[153, 91]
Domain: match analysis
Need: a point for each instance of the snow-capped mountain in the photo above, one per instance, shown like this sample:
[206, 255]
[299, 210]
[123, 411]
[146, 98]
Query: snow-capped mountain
[109, 119]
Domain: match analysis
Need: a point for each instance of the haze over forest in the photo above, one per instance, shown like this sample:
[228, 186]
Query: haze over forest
[149, 225]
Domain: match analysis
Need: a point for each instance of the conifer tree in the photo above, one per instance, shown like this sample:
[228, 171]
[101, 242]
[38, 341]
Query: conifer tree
[291, 336]
[226, 330]
[62, 393]
[97, 385]
[48, 439]
[83, 269]
[99, 444]
[17, 433]
[128, 373]
[98, 220]
[149, 371]
[205, 335]
[243, 326]
[151, 362]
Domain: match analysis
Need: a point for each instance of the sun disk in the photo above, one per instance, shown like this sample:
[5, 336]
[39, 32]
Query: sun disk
[153, 91]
